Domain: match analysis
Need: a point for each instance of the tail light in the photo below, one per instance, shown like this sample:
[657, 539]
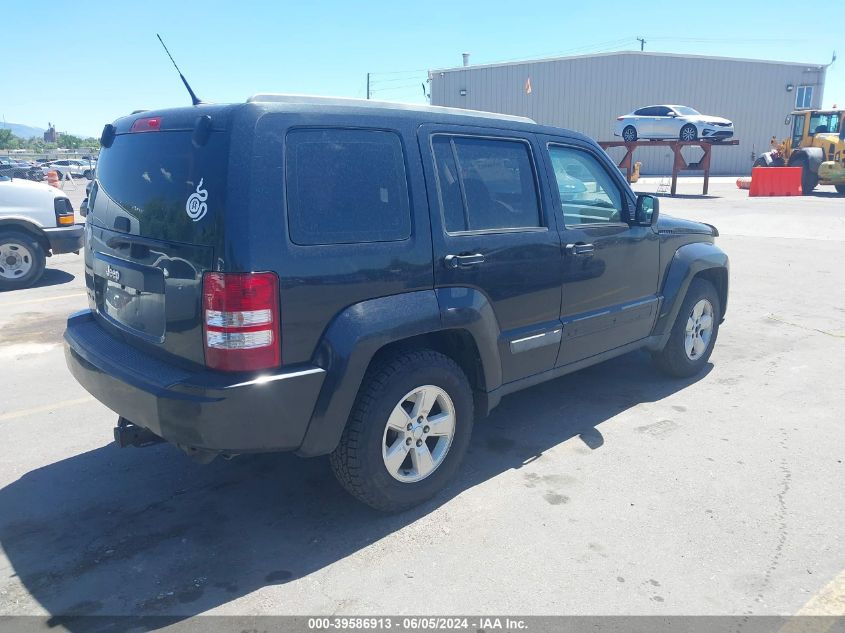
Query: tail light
[148, 124]
[620, 118]
[64, 211]
[241, 318]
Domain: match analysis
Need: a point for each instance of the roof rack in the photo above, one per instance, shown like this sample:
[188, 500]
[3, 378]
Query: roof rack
[390, 105]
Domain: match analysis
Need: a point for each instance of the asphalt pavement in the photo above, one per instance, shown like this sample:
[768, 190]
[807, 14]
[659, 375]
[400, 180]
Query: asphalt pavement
[611, 491]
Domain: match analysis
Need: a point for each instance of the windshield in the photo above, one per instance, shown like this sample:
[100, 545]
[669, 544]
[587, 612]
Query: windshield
[160, 185]
[684, 110]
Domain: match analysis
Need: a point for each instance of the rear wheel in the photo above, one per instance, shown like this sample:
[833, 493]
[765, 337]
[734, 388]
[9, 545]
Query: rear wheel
[689, 132]
[694, 332]
[629, 134]
[407, 432]
[22, 260]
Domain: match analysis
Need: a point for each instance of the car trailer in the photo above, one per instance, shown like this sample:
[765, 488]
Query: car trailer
[679, 164]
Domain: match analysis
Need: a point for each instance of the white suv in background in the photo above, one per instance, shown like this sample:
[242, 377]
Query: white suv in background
[36, 221]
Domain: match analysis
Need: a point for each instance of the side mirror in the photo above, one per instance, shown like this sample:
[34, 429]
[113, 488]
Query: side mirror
[83, 208]
[648, 208]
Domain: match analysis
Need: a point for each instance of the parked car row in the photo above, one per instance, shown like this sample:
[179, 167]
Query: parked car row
[38, 170]
[12, 168]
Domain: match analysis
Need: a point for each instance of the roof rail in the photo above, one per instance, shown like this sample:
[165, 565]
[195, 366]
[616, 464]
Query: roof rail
[390, 105]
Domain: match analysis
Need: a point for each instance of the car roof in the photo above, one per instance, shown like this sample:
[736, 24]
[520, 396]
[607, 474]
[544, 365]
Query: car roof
[304, 104]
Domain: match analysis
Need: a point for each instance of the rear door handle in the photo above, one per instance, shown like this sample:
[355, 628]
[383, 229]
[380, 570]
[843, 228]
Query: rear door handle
[579, 249]
[463, 261]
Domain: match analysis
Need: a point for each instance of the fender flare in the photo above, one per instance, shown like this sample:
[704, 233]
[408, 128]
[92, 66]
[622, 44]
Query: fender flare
[813, 155]
[27, 226]
[689, 261]
[357, 334]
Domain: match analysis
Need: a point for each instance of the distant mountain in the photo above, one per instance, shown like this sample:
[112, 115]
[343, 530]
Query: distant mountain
[23, 131]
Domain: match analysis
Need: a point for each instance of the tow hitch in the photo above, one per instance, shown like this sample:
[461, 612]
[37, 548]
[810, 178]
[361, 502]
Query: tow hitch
[128, 434]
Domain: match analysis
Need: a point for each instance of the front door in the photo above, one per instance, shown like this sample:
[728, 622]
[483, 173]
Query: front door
[610, 267]
[494, 233]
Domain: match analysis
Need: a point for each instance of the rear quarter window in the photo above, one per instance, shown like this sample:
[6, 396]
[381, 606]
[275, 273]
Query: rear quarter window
[346, 186]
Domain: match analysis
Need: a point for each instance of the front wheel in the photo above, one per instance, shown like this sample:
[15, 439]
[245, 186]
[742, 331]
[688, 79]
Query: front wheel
[407, 432]
[689, 132]
[22, 260]
[694, 333]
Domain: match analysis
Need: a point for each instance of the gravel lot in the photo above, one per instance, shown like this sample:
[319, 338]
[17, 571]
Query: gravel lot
[610, 491]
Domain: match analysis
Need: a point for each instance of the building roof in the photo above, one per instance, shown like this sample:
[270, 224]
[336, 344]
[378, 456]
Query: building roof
[543, 60]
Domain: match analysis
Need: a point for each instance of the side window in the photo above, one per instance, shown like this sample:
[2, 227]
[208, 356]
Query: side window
[661, 111]
[588, 195]
[346, 186]
[797, 129]
[485, 184]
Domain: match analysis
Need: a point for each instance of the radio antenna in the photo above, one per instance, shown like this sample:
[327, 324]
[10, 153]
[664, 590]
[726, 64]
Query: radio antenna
[194, 98]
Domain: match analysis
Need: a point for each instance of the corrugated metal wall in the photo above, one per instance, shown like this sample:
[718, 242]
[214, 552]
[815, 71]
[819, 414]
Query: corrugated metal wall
[588, 93]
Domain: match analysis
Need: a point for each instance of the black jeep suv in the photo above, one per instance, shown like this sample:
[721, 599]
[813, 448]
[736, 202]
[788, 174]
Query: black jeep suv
[363, 280]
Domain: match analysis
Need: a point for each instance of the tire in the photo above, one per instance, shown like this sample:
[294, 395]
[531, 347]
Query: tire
[688, 133]
[809, 180]
[360, 461]
[629, 134]
[760, 162]
[674, 359]
[840, 189]
[22, 260]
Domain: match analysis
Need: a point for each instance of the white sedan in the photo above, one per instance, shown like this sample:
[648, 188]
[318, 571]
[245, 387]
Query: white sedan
[71, 167]
[672, 122]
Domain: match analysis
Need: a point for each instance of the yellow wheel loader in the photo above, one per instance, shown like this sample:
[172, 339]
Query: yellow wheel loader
[817, 145]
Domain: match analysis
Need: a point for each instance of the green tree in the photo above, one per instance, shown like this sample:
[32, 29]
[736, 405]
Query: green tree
[8, 140]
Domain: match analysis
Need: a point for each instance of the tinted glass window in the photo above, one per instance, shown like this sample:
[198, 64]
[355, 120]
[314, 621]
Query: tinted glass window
[163, 186]
[494, 179]
[346, 186]
[797, 129]
[661, 111]
[588, 195]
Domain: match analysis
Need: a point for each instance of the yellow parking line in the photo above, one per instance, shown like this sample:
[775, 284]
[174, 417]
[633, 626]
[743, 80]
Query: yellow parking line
[20, 303]
[829, 601]
[47, 407]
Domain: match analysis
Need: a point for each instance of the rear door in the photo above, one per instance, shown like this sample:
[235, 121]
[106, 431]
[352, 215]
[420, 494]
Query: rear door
[155, 219]
[493, 232]
[610, 268]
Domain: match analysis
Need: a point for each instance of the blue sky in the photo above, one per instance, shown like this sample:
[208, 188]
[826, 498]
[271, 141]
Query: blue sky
[83, 64]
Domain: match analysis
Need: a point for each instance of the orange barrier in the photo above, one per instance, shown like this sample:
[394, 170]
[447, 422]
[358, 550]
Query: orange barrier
[53, 178]
[775, 181]
[743, 183]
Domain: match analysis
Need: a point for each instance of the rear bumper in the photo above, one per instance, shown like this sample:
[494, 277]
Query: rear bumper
[226, 413]
[65, 239]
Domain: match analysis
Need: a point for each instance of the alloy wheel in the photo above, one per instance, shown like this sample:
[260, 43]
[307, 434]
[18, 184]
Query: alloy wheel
[418, 434]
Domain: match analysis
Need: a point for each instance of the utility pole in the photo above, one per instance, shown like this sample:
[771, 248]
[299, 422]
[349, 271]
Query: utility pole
[642, 43]
[368, 85]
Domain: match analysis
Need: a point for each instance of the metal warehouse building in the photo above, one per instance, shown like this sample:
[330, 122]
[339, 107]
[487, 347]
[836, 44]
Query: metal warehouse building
[587, 93]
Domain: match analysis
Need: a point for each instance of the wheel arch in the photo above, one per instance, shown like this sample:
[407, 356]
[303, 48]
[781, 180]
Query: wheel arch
[25, 226]
[367, 332]
[696, 260]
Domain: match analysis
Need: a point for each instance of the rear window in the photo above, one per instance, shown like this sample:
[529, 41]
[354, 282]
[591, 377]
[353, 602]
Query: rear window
[160, 185]
[346, 186]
